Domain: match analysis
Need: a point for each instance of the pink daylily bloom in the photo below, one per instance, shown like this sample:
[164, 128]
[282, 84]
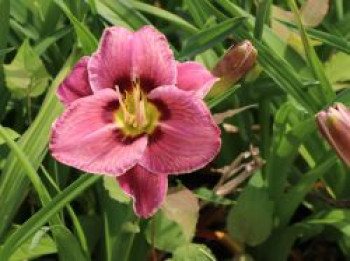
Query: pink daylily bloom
[134, 113]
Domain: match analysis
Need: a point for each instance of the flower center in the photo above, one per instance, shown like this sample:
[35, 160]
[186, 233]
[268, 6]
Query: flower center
[135, 115]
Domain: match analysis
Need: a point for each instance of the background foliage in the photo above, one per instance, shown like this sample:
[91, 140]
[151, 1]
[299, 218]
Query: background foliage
[275, 192]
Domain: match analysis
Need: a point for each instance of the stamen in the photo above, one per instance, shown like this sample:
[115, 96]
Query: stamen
[143, 118]
[137, 103]
[136, 95]
[126, 115]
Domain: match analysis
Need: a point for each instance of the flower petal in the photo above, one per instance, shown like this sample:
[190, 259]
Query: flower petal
[86, 137]
[152, 60]
[111, 64]
[334, 125]
[146, 188]
[195, 78]
[186, 138]
[76, 85]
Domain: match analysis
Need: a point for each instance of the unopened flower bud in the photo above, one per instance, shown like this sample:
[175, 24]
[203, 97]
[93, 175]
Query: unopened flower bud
[334, 124]
[236, 62]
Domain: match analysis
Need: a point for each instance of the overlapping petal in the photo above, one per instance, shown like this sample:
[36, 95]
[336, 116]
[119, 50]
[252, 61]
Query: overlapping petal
[111, 64]
[76, 85]
[146, 188]
[195, 78]
[186, 139]
[152, 60]
[86, 137]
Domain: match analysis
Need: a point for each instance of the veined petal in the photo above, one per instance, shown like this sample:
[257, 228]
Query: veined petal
[152, 60]
[76, 85]
[186, 138]
[146, 188]
[111, 64]
[86, 137]
[195, 78]
[334, 125]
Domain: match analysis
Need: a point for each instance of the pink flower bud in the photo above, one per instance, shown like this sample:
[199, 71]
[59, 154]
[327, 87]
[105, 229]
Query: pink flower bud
[334, 125]
[236, 62]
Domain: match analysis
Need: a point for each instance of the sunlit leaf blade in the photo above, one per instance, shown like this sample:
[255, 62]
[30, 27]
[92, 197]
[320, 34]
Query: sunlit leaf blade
[327, 94]
[327, 38]
[208, 38]
[13, 182]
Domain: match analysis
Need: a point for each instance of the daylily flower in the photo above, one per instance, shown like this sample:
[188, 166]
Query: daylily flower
[134, 113]
[334, 124]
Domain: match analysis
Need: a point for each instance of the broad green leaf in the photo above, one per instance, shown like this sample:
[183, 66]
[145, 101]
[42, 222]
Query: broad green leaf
[193, 252]
[250, 220]
[163, 231]
[208, 38]
[114, 190]
[26, 75]
[11, 134]
[40, 244]
[181, 206]
[339, 77]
